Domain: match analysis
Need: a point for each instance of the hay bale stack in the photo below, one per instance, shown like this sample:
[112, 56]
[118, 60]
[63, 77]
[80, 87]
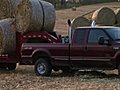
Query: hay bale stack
[7, 36]
[117, 12]
[104, 16]
[80, 22]
[5, 10]
[35, 15]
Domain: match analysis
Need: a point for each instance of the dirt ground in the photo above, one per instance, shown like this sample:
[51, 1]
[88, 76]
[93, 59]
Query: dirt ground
[23, 78]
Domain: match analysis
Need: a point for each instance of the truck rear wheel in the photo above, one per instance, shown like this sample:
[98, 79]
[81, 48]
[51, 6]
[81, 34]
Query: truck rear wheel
[43, 67]
[11, 66]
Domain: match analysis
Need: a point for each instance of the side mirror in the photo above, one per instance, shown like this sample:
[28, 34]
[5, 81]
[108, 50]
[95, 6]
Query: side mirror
[108, 42]
[69, 22]
[101, 41]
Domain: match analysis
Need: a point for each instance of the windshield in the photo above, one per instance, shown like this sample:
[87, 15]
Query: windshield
[114, 33]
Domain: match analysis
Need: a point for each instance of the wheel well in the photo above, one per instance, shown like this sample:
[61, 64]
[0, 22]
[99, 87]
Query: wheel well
[37, 55]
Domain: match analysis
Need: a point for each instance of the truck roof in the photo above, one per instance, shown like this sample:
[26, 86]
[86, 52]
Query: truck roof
[98, 27]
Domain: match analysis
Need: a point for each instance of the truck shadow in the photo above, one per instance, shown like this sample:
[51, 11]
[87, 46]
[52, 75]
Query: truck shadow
[81, 74]
[87, 75]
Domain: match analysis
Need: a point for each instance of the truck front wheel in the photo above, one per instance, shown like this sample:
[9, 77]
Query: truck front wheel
[43, 67]
[11, 66]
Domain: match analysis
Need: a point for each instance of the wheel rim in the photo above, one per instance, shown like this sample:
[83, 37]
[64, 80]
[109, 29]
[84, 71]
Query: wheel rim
[41, 68]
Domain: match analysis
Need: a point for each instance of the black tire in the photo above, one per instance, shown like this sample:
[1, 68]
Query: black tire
[11, 66]
[43, 67]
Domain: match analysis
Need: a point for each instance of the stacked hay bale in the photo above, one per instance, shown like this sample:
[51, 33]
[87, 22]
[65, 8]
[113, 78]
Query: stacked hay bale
[5, 9]
[8, 8]
[30, 15]
[104, 16]
[7, 36]
[14, 4]
[35, 15]
[80, 22]
[117, 13]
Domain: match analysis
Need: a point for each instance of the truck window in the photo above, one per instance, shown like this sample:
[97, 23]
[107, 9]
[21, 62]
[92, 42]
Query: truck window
[80, 36]
[95, 34]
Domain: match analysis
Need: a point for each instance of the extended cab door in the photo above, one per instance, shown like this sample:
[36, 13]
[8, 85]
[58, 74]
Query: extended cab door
[97, 55]
[77, 48]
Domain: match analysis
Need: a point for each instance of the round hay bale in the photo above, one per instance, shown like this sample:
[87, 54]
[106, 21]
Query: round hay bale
[80, 22]
[35, 15]
[104, 16]
[14, 5]
[74, 9]
[117, 12]
[7, 36]
[5, 10]
[49, 16]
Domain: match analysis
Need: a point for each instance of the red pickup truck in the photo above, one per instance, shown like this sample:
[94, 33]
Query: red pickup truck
[96, 47]
[86, 47]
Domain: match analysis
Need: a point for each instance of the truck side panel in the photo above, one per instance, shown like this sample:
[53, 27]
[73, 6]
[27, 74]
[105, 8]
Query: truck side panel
[58, 56]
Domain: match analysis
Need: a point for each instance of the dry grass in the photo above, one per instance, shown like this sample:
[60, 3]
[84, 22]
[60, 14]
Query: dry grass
[25, 79]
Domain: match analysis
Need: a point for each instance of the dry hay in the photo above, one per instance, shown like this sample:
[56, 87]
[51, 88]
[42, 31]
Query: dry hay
[104, 16]
[8, 8]
[74, 9]
[49, 16]
[117, 12]
[35, 15]
[14, 5]
[7, 36]
[5, 10]
[80, 22]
